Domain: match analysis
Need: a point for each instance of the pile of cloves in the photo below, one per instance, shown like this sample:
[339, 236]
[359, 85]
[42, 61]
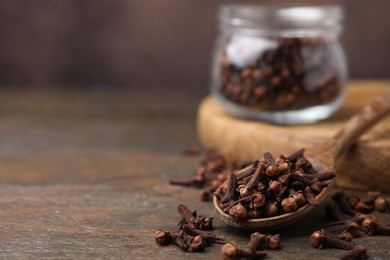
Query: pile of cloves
[340, 234]
[342, 207]
[272, 186]
[214, 169]
[257, 244]
[193, 233]
[269, 187]
[297, 73]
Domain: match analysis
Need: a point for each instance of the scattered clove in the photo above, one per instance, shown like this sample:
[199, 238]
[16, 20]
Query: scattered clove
[165, 238]
[188, 216]
[358, 252]
[339, 234]
[273, 242]
[191, 235]
[231, 251]
[214, 169]
[364, 208]
[264, 241]
[257, 243]
[207, 236]
[382, 205]
[370, 225]
[343, 207]
[320, 239]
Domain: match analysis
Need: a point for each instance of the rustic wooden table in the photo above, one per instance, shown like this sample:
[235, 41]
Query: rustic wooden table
[85, 175]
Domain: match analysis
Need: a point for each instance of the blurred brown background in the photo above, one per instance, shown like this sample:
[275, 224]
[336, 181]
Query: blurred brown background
[148, 43]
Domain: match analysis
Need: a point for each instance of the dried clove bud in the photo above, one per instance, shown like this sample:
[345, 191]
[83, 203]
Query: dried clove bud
[353, 200]
[273, 242]
[165, 238]
[177, 238]
[248, 188]
[283, 167]
[257, 213]
[320, 239]
[358, 252]
[364, 208]
[299, 198]
[272, 209]
[294, 156]
[257, 241]
[339, 227]
[382, 230]
[316, 187]
[289, 204]
[274, 187]
[238, 212]
[258, 201]
[186, 213]
[272, 171]
[268, 158]
[197, 244]
[264, 241]
[162, 237]
[324, 176]
[183, 221]
[232, 183]
[208, 237]
[214, 170]
[345, 235]
[370, 225]
[382, 205]
[231, 251]
[309, 196]
[371, 197]
[206, 223]
[344, 206]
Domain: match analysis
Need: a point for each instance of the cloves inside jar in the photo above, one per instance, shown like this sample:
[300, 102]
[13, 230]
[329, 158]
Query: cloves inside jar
[281, 64]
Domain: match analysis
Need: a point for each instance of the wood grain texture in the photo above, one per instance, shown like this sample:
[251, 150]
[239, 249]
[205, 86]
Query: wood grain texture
[84, 175]
[246, 140]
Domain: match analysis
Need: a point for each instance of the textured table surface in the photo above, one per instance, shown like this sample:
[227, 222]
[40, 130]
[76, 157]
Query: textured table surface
[85, 175]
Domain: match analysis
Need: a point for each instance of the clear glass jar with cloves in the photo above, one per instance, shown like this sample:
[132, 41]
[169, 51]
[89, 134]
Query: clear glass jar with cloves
[280, 64]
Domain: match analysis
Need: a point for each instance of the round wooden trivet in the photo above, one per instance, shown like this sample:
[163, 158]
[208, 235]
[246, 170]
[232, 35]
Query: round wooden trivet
[365, 166]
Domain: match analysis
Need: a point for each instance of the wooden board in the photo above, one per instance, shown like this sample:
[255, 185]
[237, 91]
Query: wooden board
[365, 166]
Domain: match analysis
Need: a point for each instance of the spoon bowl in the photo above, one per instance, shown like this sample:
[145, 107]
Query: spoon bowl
[323, 158]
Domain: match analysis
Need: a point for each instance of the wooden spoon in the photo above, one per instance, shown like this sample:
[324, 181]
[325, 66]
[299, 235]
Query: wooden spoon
[323, 157]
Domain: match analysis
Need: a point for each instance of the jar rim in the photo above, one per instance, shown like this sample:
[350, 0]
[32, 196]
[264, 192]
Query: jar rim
[280, 16]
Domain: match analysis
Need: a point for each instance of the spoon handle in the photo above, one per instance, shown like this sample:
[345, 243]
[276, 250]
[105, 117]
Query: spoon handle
[360, 123]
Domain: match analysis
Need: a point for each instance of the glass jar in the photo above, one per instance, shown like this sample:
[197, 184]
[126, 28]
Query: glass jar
[281, 64]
